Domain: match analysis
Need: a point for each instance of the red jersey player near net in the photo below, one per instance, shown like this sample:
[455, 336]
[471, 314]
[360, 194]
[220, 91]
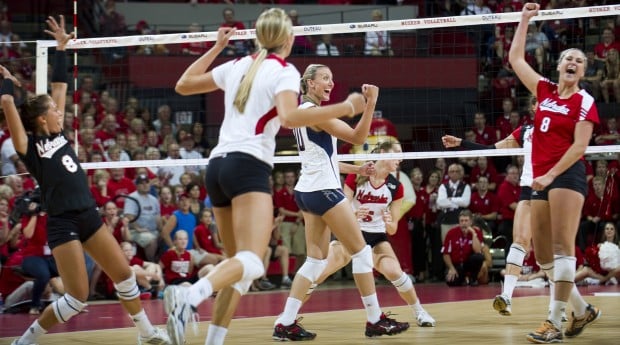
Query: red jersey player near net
[563, 127]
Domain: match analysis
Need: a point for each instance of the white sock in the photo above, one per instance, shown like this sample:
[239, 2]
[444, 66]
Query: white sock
[143, 324]
[417, 307]
[216, 335]
[577, 302]
[510, 281]
[291, 309]
[557, 308]
[548, 269]
[200, 291]
[551, 293]
[373, 311]
[32, 333]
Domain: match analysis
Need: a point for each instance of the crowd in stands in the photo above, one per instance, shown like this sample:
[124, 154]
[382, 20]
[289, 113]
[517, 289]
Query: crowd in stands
[161, 216]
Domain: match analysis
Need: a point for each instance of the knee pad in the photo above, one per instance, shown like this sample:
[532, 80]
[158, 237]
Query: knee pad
[564, 268]
[403, 284]
[242, 286]
[362, 261]
[252, 265]
[67, 307]
[311, 289]
[312, 269]
[128, 288]
[548, 269]
[516, 255]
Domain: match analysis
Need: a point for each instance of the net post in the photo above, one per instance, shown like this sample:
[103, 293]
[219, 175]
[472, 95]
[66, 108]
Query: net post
[42, 50]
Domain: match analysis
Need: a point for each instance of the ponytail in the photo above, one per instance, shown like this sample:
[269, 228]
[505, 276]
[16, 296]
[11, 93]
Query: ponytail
[243, 93]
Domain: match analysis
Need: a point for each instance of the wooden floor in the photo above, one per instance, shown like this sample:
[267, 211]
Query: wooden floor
[465, 322]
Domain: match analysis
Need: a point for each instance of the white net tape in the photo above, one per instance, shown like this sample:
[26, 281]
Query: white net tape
[391, 25]
[608, 151]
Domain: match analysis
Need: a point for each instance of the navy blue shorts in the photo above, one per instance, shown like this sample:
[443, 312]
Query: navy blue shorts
[73, 225]
[320, 201]
[374, 238]
[234, 174]
[526, 193]
[574, 178]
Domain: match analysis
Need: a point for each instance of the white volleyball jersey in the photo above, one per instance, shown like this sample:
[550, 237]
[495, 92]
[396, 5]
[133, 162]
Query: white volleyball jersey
[376, 199]
[254, 131]
[317, 151]
[524, 136]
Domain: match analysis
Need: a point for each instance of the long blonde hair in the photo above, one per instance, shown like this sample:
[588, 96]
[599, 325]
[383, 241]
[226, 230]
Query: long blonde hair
[273, 29]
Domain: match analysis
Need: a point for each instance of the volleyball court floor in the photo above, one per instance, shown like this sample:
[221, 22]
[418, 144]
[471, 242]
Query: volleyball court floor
[464, 315]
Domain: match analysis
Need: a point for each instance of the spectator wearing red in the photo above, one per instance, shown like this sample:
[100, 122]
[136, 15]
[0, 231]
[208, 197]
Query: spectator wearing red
[484, 204]
[514, 121]
[38, 261]
[508, 195]
[609, 175]
[177, 262]
[530, 112]
[119, 185]
[462, 252]
[302, 45]
[599, 207]
[99, 187]
[291, 229]
[106, 136]
[515, 5]
[502, 122]
[432, 227]
[608, 134]
[167, 203]
[608, 42]
[485, 134]
[195, 48]
[415, 217]
[484, 168]
[87, 87]
[116, 224]
[205, 237]
[236, 47]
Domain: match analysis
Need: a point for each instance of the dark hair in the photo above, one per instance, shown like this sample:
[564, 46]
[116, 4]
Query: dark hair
[190, 186]
[32, 109]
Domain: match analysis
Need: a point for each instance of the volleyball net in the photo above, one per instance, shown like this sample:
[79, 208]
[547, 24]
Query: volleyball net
[434, 75]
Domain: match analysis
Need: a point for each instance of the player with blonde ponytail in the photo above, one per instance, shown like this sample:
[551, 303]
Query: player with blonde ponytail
[260, 94]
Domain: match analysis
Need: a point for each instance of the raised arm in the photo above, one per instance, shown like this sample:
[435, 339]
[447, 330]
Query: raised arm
[196, 79]
[528, 76]
[59, 73]
[14, 122]
[292, 116]
[357, 135]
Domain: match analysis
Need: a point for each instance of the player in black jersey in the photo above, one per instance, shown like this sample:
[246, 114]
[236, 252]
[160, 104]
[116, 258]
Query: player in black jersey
[74, 224]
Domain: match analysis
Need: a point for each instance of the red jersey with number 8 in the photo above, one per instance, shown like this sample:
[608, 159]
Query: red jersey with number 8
[554, 124]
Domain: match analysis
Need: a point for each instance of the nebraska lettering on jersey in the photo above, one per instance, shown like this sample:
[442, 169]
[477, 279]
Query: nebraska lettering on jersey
[555, 122]
[47, 148]
[365, 197]
[553, 106]
[53, 163]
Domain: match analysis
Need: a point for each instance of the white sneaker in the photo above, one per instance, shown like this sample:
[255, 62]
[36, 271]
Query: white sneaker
[160, 337]
[424, 319]
[612, 281]
[503, 305]
[180, 313]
